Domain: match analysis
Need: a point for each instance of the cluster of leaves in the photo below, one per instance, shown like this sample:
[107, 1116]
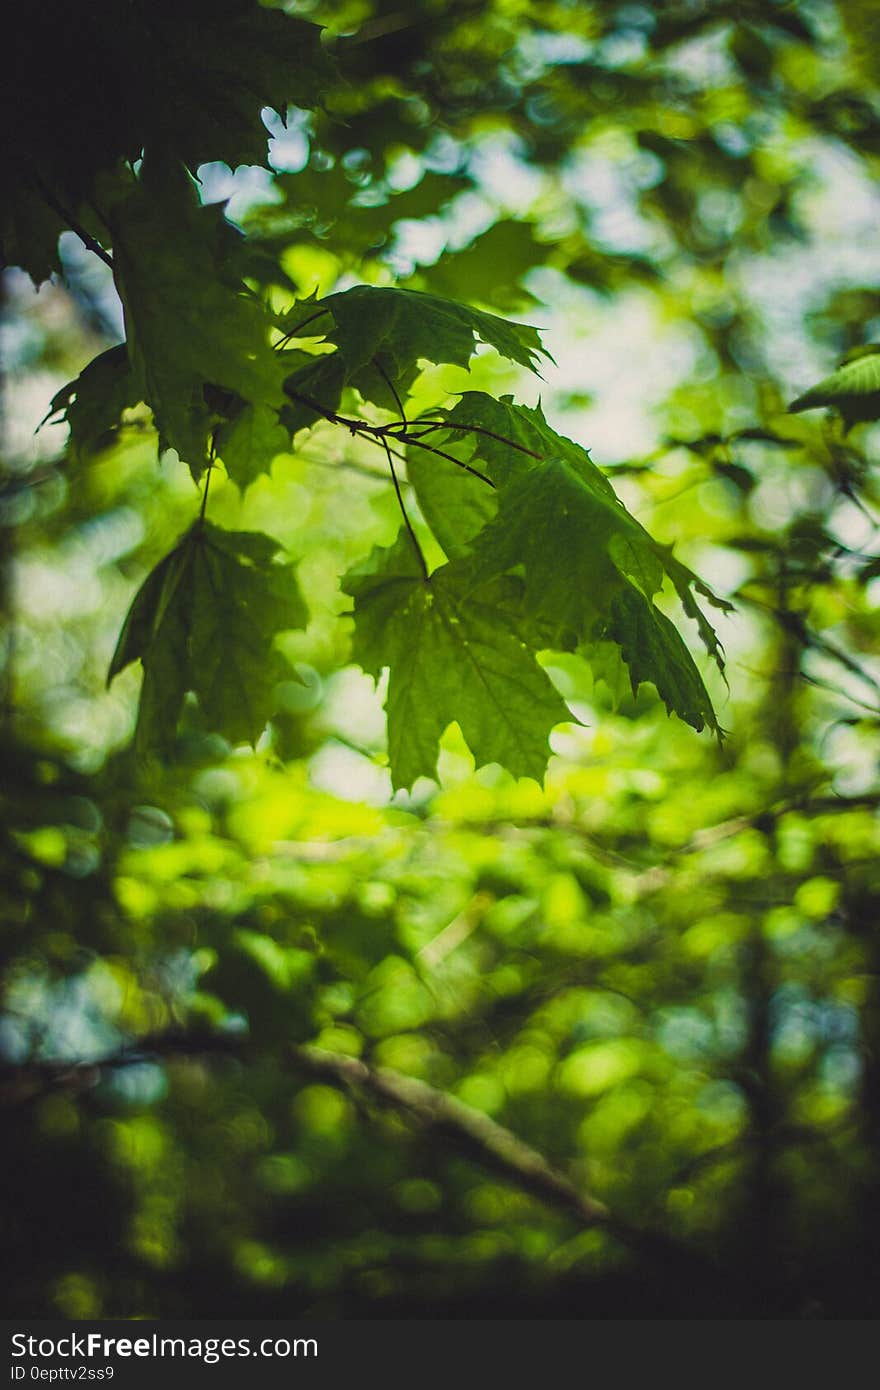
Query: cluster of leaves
[541, 554]
[559, 563]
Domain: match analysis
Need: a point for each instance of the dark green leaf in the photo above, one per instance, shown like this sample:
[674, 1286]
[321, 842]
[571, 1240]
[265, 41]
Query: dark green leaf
[248, 443]
[409, 327]
[653, 651]
[452, 656]
[575, 543]
[190, 320]
[95, 401]
[205, 620]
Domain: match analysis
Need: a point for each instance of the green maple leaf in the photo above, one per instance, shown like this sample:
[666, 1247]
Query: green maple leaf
[410, 326]
[93, 404]
[590, 569]
[192, 324]
[453, 654]
[382, 335]
[575, 543]
[205, 620]
[854, 389]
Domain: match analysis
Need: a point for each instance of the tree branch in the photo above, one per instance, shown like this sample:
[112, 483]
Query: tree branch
[482, 1139]
[492, 1146]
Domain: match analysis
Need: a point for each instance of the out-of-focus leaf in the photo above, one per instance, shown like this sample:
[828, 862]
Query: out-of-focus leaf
[854, 389]
[93, 403]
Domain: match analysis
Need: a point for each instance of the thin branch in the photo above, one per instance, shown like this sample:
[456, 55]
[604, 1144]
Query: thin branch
[490, 434]
[482, 1139]
[85, 237]
[297, 332]
[378, 433]
[204, 504]
[441, 453]
[492, 1146]
[380, 437]
[400, 502]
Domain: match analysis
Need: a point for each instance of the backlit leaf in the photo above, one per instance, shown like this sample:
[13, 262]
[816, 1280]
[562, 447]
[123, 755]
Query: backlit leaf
[452, 656]
[205, 621]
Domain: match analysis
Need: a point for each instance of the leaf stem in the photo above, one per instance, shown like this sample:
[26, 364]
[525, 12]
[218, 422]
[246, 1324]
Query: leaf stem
[392, 388]
[379, 433]
[406, 521]
[208, 472]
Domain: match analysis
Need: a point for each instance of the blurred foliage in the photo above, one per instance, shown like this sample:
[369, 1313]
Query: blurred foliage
[659, 970]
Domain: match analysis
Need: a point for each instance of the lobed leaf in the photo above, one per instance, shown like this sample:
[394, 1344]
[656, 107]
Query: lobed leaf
[383, 334]
[192, 325]
[93, 404]
[205, 621]
[453, 655]
[560, 524]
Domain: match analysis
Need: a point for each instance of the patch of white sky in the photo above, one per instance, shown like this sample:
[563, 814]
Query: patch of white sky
[795, 279]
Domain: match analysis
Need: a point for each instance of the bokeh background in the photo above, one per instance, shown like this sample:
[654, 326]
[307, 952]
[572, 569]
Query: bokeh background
[660, 969]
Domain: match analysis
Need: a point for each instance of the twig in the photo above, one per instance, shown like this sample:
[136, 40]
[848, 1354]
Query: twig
[378, 434]
[297, 332]
[485, 1141]
[478, 429]
[441, 453]
[494, 1146]
[88, 241]
[212, 462]
[491, 1145]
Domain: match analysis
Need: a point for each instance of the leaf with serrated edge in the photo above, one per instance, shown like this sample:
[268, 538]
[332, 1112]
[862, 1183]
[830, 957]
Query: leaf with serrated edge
[574, 543]
[205, 620]
[653, 651]
[191, 323]
[452, 657]
[94, 402]
[410, 326]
